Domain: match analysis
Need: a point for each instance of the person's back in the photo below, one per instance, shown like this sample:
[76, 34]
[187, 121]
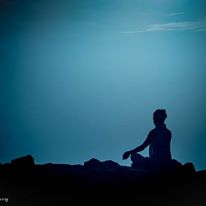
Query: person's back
[159, 148]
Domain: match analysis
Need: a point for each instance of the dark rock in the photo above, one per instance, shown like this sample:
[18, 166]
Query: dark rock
[109, 164]
[176, 164]
[188, 168]
[97, 182]
[23, 162]
[93, 163]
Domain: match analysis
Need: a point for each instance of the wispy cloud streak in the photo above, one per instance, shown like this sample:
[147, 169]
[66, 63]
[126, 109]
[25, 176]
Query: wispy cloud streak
[197, 26]
[175, 14]
[177, 26]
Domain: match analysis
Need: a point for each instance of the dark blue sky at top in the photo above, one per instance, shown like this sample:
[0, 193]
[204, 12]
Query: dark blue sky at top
[81, 79]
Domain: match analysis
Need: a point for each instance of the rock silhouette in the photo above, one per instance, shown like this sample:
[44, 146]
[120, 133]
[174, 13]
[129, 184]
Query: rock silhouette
[95, 163]
[99, 183]
[26, 162]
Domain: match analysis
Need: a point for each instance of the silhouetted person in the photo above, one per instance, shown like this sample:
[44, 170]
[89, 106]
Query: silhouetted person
[158, 141]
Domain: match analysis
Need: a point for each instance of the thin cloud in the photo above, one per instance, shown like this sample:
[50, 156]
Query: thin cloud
[197, 26]
[175, 14]
[202, 29]
[129, 32]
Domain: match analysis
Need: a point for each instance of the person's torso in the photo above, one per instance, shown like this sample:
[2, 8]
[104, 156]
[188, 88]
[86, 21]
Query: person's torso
[160, 144]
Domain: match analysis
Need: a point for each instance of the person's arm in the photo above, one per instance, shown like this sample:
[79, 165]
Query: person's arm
[139, 148]
[143, 145]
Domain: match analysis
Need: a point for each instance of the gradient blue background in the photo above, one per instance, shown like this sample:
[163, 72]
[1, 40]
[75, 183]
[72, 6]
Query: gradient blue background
[81, 79]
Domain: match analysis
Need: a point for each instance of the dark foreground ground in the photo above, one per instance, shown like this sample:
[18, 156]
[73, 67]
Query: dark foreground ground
[98, 183]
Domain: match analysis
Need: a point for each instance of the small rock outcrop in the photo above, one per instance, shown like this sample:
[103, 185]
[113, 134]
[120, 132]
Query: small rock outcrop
[24, 162]
[95, 163]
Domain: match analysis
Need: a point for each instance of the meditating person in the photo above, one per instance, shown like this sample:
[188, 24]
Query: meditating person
[158, 140]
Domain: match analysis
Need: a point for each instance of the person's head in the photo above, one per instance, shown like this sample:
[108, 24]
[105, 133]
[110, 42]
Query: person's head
[159, 116]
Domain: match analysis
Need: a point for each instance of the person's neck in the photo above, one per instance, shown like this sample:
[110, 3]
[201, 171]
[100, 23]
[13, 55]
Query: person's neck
[161, 125]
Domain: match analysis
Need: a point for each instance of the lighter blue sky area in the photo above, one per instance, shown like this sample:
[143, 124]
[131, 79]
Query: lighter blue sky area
[81, 79]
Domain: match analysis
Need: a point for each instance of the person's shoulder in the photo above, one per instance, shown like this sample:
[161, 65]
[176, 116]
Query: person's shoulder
[162, 129]
[169, 132]
[152, 132]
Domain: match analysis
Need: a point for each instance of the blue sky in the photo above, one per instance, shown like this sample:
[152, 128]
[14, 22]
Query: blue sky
[81, 79]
